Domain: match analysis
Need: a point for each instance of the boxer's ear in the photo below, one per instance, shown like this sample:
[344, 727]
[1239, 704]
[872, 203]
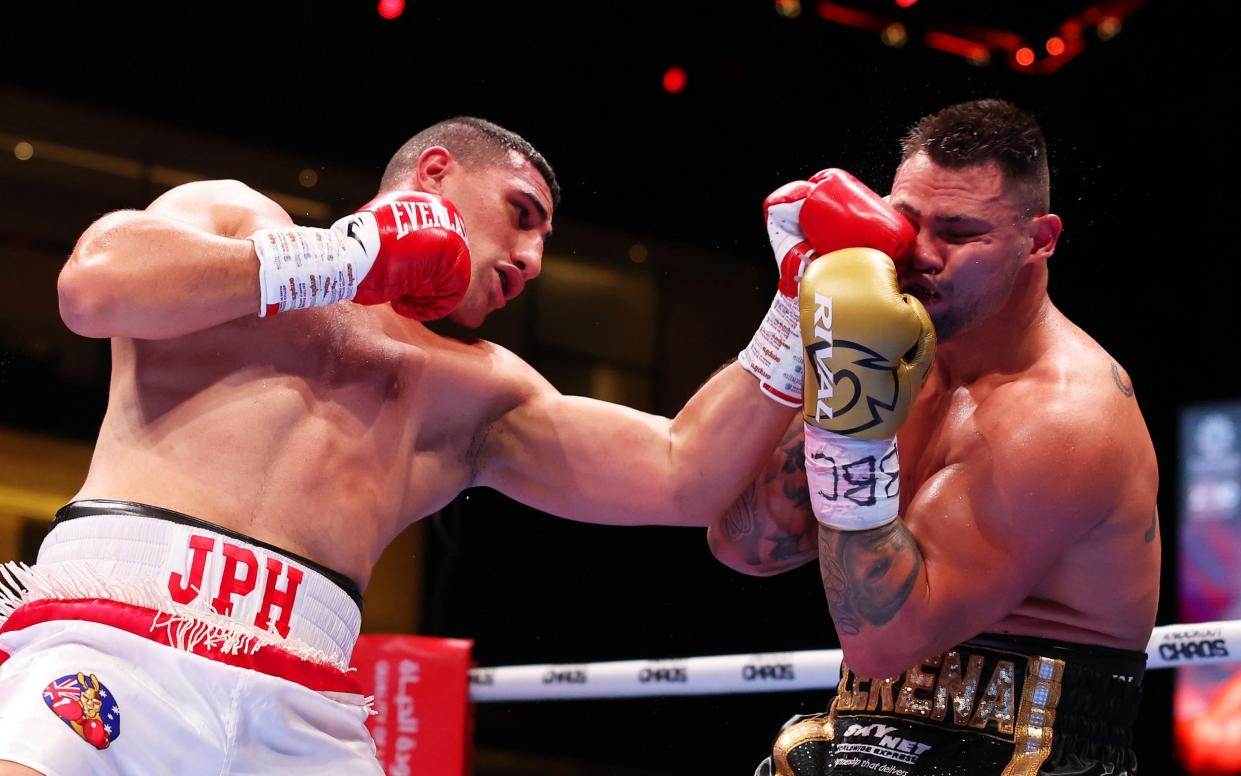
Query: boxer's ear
[1045, 231]
[433, 165]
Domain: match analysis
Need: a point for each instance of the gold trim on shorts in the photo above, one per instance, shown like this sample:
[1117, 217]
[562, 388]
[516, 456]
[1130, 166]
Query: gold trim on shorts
[1035, 716]
[818, 728]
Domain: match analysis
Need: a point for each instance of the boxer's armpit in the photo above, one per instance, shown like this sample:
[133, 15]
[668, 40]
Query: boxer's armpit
[867, 575]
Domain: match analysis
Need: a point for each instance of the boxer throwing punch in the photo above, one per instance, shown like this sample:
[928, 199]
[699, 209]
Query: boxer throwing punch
[278, 413]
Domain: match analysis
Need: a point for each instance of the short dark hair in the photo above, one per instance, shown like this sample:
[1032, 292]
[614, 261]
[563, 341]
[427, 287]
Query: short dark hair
[472, 141]
[981, 131]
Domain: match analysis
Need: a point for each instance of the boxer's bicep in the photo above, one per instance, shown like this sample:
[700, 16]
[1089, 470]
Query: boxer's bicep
[992, 526]
[974, 542]
[583, 459]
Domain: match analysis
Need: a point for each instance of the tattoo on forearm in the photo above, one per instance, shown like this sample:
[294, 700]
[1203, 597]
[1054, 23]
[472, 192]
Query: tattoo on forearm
[1153, 530]
[1119, 379]
[773, 542]
[740, 520]
[787, 547]
[795, 487]
[867, 575]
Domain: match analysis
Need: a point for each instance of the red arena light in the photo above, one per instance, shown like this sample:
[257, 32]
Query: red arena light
[390, 9]
[674, 80]
[1055, 46]
[905, 3]
[1025, 56]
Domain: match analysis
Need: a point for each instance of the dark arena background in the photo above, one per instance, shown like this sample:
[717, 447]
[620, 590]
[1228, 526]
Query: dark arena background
[667, 124]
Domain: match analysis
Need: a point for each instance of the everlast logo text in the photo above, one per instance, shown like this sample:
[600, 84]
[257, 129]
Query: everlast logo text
[1193, 650]
[676, 674]
[780, 672]
[412, 216]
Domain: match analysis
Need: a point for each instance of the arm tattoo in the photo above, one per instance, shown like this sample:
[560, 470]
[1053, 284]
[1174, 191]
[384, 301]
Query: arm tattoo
[764, 541]
[740, 520]
[1117, 378]
[1151, 532]
[868, 575]
[795, 488]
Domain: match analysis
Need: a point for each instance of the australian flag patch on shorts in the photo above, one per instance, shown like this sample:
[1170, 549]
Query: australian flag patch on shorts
[84, 704]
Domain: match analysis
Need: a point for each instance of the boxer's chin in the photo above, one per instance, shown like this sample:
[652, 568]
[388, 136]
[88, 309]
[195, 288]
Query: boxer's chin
[469, 315]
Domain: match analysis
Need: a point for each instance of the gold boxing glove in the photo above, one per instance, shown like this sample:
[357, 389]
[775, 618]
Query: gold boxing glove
[868, 350]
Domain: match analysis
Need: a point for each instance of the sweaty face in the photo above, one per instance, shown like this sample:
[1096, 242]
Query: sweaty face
[973, 238]
[507, 209]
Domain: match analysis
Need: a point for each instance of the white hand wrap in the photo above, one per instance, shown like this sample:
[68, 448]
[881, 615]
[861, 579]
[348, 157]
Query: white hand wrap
[301, 266]
[774, 355]
[855, 484]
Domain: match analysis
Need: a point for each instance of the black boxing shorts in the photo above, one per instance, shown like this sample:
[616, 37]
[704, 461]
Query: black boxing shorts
[995, 705]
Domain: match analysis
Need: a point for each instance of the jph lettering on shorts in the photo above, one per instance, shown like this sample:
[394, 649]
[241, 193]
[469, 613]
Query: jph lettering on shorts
[245, 583]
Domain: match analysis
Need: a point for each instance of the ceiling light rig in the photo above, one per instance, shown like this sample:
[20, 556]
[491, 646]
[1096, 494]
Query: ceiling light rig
[976, 43]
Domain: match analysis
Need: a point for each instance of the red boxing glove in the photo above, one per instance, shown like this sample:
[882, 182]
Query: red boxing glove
[420, 259]
[841, 212]
[782, 211]
[405, 247]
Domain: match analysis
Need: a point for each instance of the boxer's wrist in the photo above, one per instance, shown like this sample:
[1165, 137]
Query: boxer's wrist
[774, 355]
[854, 483]
[301, 267]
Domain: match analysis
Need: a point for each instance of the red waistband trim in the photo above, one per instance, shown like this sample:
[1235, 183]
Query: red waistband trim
[137, 620]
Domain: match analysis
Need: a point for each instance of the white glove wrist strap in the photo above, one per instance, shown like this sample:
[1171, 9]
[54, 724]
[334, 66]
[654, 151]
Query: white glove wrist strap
[302, 266]
[774, 354]
[855, 484]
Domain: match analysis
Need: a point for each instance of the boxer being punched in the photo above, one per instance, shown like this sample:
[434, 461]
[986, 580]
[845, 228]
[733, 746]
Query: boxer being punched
[278, 413]
[993, 581]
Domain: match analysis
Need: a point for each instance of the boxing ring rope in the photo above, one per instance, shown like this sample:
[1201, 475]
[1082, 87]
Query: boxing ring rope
[1170, 646]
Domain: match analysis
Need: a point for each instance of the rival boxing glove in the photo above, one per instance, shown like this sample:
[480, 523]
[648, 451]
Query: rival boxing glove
[869, 349]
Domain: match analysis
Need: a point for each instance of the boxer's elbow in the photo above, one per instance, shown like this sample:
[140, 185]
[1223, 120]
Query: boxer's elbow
[738, 558]
[86, 288]
[83, 306]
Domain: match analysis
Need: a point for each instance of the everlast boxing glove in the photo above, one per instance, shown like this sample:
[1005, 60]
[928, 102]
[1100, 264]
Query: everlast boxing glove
[408, 248]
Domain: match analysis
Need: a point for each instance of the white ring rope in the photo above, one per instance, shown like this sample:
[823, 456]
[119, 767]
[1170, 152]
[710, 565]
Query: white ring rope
[1170, 646]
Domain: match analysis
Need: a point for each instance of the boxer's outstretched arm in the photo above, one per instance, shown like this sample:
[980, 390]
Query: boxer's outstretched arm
[181, 265]
[980, 535]
[605, 463]
[770, 529]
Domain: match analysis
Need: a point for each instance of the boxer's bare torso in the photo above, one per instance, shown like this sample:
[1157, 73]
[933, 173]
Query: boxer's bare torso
[324, 432]
[1088, 551]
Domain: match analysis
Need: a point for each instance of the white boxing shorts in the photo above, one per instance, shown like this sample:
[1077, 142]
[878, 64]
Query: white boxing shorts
[149, 642]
